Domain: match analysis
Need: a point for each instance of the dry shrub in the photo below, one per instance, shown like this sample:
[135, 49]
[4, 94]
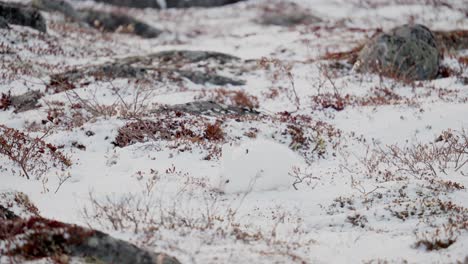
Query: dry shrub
[214, 132]
[376, 97]
[350, 56]
[34, 156]
[228, 97]
[144, 130]
[448, 154]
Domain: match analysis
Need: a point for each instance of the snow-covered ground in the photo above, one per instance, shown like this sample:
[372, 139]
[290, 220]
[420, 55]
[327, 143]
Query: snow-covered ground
[378, 181]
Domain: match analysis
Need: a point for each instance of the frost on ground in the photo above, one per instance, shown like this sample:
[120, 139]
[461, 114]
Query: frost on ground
[241, 133]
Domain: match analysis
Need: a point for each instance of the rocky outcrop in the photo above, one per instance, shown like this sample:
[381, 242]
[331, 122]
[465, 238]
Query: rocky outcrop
[286, 14]
[210, 108]
[199, 77]
[26, 101]
[36, 238]
[168, 3]
[60, 6]
[3, 24]
[408, 52]
[66, 81]
[111, 22]
[17, 14]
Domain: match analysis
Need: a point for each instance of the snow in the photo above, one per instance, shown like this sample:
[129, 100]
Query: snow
[343, 210]
[256, 165]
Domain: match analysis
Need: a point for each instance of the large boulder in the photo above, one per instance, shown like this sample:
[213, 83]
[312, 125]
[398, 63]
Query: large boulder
[408, 52]
[22, 15]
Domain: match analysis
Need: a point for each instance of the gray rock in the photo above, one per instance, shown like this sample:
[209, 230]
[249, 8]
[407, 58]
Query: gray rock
[22, 15]
[26, 101]
[65, 81]
[193, 56]
[110, 22]
[7, 214]
[169, 3]
[286, 14]
[198, 3]
[287, 20]
[407, 52]
[210, 108]
[60, 6]
[4, 24]
[199, 77]
[106, 249]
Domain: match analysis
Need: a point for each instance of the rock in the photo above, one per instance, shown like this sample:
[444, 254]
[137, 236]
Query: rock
[60, 6]
[65, 81]
[198, 3]
[407, 52]
[22, 15]
[6, 214]
[4, 24]
[193, 56]
[106, 249]
[110, 22]
[133, 3]
[168, 3]
[26, 101]
[199, 77]
[210, 108]
[34, 237]
[286, 14]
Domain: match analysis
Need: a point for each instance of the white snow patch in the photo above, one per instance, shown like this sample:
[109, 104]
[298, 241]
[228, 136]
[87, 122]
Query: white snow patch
[256, 165]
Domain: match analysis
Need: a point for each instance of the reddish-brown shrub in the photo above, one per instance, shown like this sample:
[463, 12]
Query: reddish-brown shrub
[33, 155]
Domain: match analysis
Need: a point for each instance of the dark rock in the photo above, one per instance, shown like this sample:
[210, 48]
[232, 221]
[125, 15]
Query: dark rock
[26, 101]
[4, 24]
[65, 81]
[169, 3]
[37, 237]
[198, 3]
[132, 3]
[193, 56]
[210, 108]
[60, 6]
[199, 77]
[407, 52]
[106, 249]
[286, 14]
[6, 214]
[110, 22]
[22, 15]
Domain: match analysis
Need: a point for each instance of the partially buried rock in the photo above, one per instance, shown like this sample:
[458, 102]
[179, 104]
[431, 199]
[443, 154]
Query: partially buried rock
[199, 77]
[168, 3]
[3, 23]
[408, 52]
[286, 14]
[210, 108]
[60, 6]
[26, 101]
[22, 15]
[35, 238]
[111, 22]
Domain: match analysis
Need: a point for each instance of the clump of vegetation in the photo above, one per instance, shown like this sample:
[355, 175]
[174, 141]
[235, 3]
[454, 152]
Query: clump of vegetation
[34, 156]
